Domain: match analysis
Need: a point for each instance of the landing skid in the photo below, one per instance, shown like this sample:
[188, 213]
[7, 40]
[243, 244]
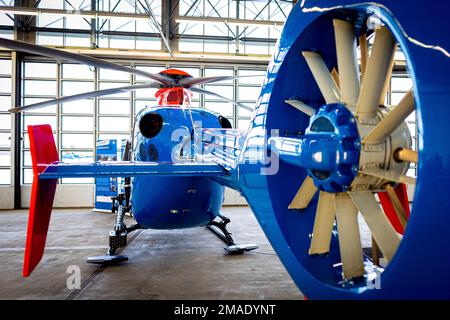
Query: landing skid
[219, 228]
[107, 260]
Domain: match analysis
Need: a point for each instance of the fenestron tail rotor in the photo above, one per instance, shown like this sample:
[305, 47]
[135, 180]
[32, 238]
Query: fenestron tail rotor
[383, 145]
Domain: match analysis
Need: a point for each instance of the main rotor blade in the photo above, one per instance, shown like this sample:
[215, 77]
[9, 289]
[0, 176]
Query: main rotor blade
[322, 75]
[304, 194]
[297, 104]
[203, 91]
[383, 232]
[392, 120]
[376, 72]
[190, 82]
[388, 175]
[79, 58]
[323, 224]
[349, 236]
[347, 61]
[85, 95]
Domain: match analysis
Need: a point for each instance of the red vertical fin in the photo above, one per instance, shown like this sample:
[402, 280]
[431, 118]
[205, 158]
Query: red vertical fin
[386, 203]
[43, 152]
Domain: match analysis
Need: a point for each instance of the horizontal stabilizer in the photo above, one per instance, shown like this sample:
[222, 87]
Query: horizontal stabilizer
[130, 169]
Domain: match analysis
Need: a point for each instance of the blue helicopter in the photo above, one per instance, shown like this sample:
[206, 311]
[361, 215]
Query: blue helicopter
[322, 148]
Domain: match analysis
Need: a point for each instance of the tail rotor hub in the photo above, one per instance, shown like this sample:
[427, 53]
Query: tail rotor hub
[331, 148]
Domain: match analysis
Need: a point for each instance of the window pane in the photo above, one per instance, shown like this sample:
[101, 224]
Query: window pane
[5, 158]
[226, 91]
[5, 121]
[109, 85]
[27, 176]
[47, 38]
[257, 76]
[40, 70]
[5, 176]
[244, 112]
[77, 156]
[106, 74]
[5, 103]
[110, 136]
[401, 84]
[48, 109]
[35, 120]
[77, 141]
[77, 123]
[5, 141]
[249, 93]
[77, 71]
[114, 106]
[223, 108]
[77, 40]
[114, 124]
[219, 72]
[27, 159]
[5, 67]
[80, 106]
[5, 85]
[396, 97]
[73, 87]
[151, 69]
[145, 93]
[40, 88]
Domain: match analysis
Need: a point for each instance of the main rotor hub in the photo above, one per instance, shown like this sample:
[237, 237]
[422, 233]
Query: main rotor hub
[332, 146]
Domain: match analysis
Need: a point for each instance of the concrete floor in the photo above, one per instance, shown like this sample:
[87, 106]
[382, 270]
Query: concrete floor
[178, 264]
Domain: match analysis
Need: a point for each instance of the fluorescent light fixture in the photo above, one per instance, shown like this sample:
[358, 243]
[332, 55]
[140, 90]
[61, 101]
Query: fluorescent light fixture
[71, 13]
[19, 11]
[236, 22]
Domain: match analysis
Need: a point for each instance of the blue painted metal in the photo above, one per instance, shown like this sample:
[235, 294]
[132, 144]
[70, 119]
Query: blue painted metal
[329, 149]
[130, 169]
[420, 267]
[177, 201]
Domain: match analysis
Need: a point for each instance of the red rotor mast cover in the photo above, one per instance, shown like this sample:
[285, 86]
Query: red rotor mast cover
[177, 96]
[43, 152]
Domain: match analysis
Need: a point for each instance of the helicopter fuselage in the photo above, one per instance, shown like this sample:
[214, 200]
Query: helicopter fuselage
[173, 134]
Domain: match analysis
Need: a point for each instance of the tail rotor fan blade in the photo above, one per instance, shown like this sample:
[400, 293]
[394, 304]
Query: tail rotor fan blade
[382, 230]
[85, 95]
[375, 74]
[393, 119]
[349, 236]
[297, 104]
[203, 91]
[322, 75]
[389, 175]
[347, 61]
[78, 58]
[304, 194]
[323, 224]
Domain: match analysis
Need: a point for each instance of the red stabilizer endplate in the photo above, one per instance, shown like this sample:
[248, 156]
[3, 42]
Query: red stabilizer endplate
[386, 203]
[43, 152]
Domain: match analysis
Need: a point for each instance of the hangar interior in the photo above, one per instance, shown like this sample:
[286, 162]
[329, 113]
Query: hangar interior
[202, 37]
